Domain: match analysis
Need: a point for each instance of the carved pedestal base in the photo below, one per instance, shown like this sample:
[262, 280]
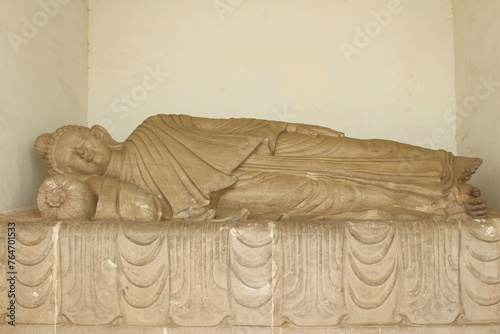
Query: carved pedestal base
[328, 276]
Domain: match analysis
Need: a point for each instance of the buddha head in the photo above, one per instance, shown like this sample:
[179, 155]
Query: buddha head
[79, 150]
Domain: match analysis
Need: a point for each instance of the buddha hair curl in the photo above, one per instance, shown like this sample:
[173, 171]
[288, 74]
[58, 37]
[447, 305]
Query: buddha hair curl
[46, 144]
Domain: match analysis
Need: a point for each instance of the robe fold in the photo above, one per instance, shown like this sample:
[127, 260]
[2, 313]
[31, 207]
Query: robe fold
[195, 163]
[184, 160]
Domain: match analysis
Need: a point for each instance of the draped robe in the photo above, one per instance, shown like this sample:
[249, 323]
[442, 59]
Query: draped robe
[196, 163]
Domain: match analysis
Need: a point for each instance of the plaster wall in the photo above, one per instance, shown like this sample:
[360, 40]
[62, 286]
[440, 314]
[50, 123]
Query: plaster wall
[43, 85]
[369, 68]
[477, 27]
[372, 69]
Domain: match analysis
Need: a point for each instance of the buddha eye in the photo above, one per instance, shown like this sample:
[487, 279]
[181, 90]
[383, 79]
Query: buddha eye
[80, 152]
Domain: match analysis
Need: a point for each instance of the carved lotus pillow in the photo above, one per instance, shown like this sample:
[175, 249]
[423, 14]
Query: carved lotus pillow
[66, 198]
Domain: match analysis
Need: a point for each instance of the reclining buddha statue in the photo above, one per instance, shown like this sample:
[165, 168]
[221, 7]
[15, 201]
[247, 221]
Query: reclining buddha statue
[183, 167]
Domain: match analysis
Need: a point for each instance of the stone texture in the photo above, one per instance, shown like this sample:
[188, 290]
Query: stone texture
[282, 274]
[182, 167]
[71, 329]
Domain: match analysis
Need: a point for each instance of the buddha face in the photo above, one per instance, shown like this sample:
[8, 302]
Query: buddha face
[80, 152]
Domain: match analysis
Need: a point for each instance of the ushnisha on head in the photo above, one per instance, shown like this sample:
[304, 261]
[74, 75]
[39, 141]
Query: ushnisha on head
[74, 149]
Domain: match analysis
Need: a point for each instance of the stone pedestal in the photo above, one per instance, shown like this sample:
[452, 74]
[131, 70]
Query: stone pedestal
[279, 277]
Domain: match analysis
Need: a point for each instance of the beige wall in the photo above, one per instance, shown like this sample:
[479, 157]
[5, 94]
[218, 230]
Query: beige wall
[477, 31]
[43, 84]
[373, 69]
[377, 68]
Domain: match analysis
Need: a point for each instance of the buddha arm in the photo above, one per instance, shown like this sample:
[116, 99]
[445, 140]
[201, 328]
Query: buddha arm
[269, 130]
[120, 200]
[312, 130]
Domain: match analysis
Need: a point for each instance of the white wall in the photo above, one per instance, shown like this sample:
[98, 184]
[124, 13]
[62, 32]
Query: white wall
[43, 84]
[477, 31]
[295, 60]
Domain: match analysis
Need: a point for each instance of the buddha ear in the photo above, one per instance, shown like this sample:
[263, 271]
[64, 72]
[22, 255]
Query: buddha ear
[103, 134]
